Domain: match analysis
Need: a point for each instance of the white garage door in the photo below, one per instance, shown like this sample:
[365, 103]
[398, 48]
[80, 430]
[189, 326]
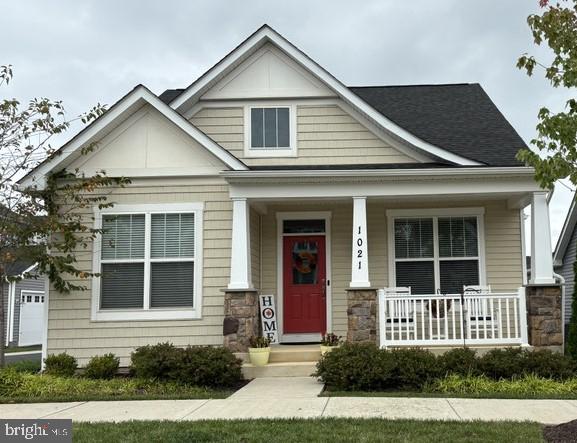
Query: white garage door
[31, 318]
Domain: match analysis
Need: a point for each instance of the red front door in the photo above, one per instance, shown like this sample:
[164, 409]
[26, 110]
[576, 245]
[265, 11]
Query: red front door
[304, 284]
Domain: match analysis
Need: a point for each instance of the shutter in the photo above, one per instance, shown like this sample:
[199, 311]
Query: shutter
[123, 236]
[458, 273]
[122, 285]
[172, 236]
[172, 284]
[419, 275]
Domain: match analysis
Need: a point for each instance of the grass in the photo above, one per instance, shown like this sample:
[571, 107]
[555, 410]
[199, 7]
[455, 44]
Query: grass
[419, 394]
[13, 349]
[299, 430]
[23, 387]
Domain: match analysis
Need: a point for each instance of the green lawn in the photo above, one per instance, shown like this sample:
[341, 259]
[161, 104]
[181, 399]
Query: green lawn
[299, 430]
[23, 349]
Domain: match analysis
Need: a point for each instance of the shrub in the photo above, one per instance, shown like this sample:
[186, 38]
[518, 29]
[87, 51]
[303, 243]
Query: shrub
[155, 361]
[207, 366]
[30, 366]
[356, 367]
[10, 380]
[544, 363]
[413, 368]
[259, 342]
[462, 361]
[527, 385]
[104, 367]
[502, 363]
[62, 365]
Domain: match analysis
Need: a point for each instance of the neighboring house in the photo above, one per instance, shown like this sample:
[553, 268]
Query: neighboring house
[268, 175]
[565, 256]
[24, 306]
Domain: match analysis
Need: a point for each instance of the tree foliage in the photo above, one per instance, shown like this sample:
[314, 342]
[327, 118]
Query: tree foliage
[556, 141]
[44, 224]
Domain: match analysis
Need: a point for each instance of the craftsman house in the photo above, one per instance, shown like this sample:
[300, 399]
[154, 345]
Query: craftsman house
[383, 213]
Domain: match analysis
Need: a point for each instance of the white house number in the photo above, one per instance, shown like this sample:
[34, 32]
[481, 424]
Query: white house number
[360, 250]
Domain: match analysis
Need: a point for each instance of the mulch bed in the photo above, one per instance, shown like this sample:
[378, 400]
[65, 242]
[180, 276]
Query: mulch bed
[563, 433]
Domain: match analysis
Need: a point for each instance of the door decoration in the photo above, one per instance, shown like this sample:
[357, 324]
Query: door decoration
[304, 258]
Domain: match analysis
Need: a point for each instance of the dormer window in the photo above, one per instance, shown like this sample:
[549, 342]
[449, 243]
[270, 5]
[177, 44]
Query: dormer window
[270, 131]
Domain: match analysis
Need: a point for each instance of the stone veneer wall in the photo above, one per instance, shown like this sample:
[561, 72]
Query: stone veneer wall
[362, 315]
[544, 316]
[241, 319]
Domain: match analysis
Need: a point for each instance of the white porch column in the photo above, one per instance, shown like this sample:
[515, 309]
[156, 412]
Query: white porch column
[240, 272]
[541, 252]
[360, 257]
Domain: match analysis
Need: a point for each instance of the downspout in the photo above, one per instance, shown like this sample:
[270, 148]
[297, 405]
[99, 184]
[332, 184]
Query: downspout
[561, 280]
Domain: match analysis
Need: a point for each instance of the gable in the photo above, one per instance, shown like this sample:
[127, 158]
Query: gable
[268, 73]
[148, 144]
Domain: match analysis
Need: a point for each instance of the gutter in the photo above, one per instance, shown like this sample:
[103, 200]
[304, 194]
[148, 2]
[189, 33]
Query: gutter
[437, 172]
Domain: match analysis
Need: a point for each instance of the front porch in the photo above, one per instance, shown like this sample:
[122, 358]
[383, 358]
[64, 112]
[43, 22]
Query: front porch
[353, 241]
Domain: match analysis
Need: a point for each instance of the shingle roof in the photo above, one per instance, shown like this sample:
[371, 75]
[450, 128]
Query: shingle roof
[460, 118]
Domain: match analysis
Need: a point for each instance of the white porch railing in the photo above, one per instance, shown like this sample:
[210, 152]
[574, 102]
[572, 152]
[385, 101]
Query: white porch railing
[452, 320]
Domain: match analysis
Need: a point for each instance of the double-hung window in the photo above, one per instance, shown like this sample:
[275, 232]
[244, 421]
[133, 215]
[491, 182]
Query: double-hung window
[436, 253]
[270, 131]
[149, 262]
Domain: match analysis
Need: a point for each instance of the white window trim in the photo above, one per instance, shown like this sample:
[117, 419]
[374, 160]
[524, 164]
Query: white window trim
[148, 313]
[270, 152]
[393, 214]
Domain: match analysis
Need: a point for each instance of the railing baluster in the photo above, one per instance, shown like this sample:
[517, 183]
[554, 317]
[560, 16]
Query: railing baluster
[446, 315]
[508, 317]
[453, 319]
[483, 305]
[499, 317]
[516, 317]
[467, 316]
[423, 318]
[492, 317]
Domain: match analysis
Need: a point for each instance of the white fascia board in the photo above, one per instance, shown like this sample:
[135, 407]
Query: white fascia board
[416, 172]
[134, 100]
[267, 34]
[565, 236]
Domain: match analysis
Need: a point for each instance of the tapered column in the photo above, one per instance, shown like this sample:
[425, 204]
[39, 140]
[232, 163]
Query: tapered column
[541, 252]
[240, 273]
[360, 256]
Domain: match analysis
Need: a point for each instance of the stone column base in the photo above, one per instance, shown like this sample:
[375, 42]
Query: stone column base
[241, 319]
[544, 320]
[362, 315]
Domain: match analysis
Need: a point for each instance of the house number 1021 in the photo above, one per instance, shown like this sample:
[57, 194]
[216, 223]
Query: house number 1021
[360, 246]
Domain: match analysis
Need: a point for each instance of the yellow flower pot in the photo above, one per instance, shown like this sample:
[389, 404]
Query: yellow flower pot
[259, 356]
[325, 349]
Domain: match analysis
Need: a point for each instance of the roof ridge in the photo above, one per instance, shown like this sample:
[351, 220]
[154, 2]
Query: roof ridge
[413, 85]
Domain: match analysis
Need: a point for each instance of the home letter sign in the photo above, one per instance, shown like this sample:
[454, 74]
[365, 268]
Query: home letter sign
[268, 318]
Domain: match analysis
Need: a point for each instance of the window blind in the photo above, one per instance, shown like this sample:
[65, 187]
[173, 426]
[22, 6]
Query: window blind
[172, 235]
[123, 236]
[122, 285]
[454, 274]
[414, 238]
[172, 284]
[270, 127]
[419, 275]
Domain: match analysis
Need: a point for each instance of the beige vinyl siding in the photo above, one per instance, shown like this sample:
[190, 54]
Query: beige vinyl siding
[70, 327]
[502, 246]
[325, 135]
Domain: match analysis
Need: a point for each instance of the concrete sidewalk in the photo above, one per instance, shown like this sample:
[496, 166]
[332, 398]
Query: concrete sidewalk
[297, 397]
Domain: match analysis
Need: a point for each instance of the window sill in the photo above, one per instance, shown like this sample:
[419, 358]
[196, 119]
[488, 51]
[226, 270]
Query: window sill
[142, 315]
[267, 153]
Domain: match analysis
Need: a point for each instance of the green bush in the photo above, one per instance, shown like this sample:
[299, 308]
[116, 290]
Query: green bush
[547, 364]
[104, 367]
[502, 363]
[527, 385]
[207, 366]
[30, 366]
[196, 365]
[364, 367]
[155, 361]
[413, 368]
[462, 361]
[63, 365]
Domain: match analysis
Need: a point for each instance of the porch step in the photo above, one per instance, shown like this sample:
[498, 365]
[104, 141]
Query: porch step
[289, 353]
[284, 369]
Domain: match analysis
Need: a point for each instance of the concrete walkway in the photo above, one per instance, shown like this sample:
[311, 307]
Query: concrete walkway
[297, 397]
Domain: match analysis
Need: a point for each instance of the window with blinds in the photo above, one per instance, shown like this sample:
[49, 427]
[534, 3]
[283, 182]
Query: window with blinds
[270, 128]
[140, 271]
[436, 253]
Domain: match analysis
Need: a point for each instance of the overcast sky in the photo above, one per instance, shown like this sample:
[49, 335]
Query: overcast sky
[84, 52]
